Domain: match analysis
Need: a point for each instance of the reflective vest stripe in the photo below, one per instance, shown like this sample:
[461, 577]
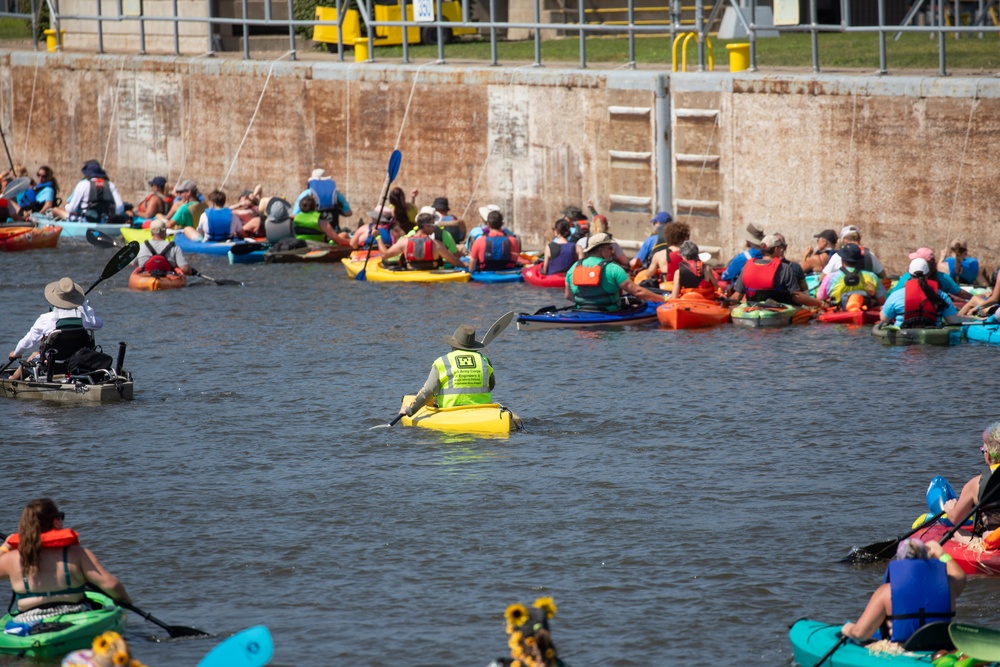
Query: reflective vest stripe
[449, 374]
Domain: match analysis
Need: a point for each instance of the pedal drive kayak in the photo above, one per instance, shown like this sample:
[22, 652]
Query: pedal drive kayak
[811, 640]
[892, 335]
[484, 419]
[377, 273]
[692, 311]
[55, 636]
[574, 318]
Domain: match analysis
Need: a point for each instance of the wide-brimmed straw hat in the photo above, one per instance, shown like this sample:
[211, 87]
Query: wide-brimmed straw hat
[753, 235]
[597, 240]
[464, 338]
[64, 293]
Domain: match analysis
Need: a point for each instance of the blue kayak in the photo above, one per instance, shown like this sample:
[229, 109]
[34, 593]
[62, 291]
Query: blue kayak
[574, 318]
[508, 276]
[220, 248]
[984, 333]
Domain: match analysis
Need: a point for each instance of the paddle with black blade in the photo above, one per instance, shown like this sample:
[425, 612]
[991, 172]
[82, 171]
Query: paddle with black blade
[491, 333]
[121, 259]
[96, 238]
[886, 549]
[394, 161]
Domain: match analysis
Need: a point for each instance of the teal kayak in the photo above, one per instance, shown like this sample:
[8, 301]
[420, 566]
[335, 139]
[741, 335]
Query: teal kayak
[811, 640]
[892, 335]
[55, 636]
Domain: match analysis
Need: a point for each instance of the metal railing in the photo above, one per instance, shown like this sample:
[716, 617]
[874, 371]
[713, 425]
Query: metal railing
[938, 13]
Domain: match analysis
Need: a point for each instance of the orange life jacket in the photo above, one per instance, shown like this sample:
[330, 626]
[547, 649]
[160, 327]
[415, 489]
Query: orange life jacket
[51, 539]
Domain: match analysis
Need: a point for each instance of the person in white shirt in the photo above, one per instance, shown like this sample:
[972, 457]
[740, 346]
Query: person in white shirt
[94, 199]
[851, 234]
[68, 301]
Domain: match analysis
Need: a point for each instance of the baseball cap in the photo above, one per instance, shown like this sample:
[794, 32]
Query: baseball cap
[919, 265]
[661, 218]
[849, 229]
[829, 235]
[158, 181]
[926, 254]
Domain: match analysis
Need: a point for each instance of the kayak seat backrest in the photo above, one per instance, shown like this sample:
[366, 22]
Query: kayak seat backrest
[66, 342]
[930, 637]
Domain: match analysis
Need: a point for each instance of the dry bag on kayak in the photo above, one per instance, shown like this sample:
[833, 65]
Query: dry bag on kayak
[87, 360]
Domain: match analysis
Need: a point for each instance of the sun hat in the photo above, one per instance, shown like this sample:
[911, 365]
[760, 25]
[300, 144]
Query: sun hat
[829, 235]
[187, 185]
[597, 240]
[464, 338]
[926, 254]
[386, 215]
[276, 209]
[919, 265]
[157, 227]
[441, 204]
[661, 218]
[851, 252]
[430, 210]
[318, 174]
[754, 235]
[911, 548]
[771, 241]
[158, 181]
[92, 169]
[484, 211]
[849, 229]
[573, 213]
[689, 250]
[64, 293]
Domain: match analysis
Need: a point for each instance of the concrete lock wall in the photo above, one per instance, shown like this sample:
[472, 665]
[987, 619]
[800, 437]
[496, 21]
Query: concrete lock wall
[904, 158]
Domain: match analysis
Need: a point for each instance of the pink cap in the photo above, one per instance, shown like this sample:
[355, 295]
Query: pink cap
[925, 254]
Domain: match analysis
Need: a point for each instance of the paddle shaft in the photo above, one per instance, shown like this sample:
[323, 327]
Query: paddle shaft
[877, 549]
[975, 508]
[7, 150]
[840, 642]
[390, 176]
[121, 259]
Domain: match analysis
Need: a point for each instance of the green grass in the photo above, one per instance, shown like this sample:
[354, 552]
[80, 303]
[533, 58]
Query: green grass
[15, 29]
[836, 50]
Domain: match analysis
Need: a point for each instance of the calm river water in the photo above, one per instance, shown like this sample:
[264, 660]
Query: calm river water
[683, 496]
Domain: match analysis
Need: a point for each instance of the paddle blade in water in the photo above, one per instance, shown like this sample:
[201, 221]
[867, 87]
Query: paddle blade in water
[872, 553]
[395, 160]
[250, 648]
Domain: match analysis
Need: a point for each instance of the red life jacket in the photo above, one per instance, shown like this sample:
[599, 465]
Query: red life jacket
[420, 253]
[918, 311]
[51, 539]
[759, 276]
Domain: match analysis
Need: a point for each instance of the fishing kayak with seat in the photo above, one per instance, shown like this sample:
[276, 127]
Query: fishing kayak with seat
[572, 317]
[28, 237]
[769, 314]
[146, 282]
[812, 640]
[890, 334]
[55, 636]
[532, 274]
[377, 273]
[482, 419]
[692, 311]
[111, 385]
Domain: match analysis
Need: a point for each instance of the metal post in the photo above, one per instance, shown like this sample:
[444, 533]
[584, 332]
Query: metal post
[100, 30]
[406, 33]
[815, 35]
[246, 31]
[340, 30]
[753, 36]
[942, 70]
[882, 64]
[440, 31]
[493, 33]
[177, 35]
[631, 34]
[34, 24]
[583, 36]
[211, 37]
[291, 29]
[538, 34]
[664, 196]
[142, 36]
[55, 25]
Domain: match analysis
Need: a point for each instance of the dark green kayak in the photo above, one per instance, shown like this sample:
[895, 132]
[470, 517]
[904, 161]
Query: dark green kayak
[57, 635]
[893, 335]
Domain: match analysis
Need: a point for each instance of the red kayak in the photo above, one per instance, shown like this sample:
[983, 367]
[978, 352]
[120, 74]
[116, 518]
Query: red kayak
[973, 560]
[533, 275]
[851, 317]
[692, 311]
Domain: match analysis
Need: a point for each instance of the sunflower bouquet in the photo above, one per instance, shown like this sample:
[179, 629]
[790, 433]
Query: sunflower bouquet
[528, 635]
[108, 650]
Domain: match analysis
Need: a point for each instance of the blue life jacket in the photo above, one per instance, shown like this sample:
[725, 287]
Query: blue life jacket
[969, 272]
[29, 197]
[325, 190]
[384, 232]
[496, 254]
[561, 257]
[220, 222]
[920, 595]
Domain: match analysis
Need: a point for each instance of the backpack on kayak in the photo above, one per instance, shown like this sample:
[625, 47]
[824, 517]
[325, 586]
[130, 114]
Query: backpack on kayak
[158, 265]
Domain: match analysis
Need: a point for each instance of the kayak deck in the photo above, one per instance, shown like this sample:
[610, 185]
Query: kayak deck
[483, 419]
[69, 631]
[811, 640]
[578, 319]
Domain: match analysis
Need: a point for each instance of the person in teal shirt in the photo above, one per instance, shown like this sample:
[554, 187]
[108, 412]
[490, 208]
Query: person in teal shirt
[944, 281]
[597, 283]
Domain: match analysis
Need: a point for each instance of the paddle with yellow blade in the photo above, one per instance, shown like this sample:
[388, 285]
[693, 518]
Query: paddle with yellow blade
[491, 333]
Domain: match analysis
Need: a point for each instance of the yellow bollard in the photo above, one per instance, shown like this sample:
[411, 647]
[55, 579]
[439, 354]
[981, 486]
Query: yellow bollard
[739, 56]
[52, 41]
[361, 50]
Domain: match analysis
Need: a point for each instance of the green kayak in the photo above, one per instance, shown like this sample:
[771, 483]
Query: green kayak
[759, 315]
[57, 635]
[893, 335]
[811, 640]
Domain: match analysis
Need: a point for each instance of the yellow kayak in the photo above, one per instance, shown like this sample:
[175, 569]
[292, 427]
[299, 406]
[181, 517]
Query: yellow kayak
[139, 235]
[485, 419]
[376, 273]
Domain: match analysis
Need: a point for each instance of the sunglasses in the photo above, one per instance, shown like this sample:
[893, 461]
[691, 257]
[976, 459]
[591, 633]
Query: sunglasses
[62, 516]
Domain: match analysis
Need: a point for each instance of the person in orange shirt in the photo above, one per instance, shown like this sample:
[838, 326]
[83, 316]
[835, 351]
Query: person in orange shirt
[496, 250]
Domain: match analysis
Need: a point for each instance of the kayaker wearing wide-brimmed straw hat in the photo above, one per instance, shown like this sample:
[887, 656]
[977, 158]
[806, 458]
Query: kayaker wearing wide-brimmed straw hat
[47, 567]
[461, 377]
[68, 302]
[597, 283]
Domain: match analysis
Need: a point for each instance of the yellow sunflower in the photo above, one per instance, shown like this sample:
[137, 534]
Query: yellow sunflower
[516, 614]
[546, 605]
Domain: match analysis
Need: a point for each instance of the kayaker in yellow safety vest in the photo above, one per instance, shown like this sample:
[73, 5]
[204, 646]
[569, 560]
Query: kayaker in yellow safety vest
[461, 377]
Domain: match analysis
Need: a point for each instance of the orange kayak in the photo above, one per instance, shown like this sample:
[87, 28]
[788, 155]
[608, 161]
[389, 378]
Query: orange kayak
[28, 238]
[692, 311]
[142, 281]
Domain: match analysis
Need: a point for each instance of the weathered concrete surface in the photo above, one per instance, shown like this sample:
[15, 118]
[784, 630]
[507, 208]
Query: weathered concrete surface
[907, 159]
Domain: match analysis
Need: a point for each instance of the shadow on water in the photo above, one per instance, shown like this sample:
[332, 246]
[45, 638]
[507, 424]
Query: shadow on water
[684, 496]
